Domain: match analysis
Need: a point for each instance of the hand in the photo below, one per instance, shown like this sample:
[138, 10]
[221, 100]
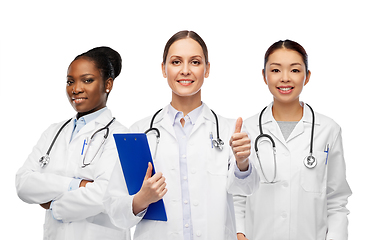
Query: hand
[84, 182]
[241, 146]
[152, 190]
[46, 205]
[241, 236]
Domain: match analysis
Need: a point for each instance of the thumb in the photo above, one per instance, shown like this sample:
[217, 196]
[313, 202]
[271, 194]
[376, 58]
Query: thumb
[239, 124]
[148, 174]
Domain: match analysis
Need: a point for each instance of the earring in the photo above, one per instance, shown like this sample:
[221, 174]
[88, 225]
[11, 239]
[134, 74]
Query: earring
[107, 90]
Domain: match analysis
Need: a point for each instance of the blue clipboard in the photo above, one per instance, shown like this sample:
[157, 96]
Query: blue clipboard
[134, 155]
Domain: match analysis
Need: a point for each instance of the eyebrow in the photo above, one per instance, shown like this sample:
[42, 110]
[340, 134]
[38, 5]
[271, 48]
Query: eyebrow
[86, 74]
[177, 56]
[293, 64]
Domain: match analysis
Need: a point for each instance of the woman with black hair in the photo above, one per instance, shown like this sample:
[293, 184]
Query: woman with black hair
[303, 191]
[68, 171]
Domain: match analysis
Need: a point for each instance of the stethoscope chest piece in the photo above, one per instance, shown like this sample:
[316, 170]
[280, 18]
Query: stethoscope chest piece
[44, 160]
[218, 143]
[310, 161]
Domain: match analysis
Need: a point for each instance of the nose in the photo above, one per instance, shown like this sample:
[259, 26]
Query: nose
[285, 77]
[77, 87]
[185, 71]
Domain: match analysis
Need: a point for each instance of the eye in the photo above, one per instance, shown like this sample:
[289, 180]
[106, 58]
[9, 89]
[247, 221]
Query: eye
[275, 70]
[89, 80]
[195, 62]
[176, 62]
[295, 70]
[69, 82]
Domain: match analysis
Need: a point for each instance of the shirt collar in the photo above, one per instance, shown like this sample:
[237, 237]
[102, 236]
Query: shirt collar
[175, 115]
[90, 117]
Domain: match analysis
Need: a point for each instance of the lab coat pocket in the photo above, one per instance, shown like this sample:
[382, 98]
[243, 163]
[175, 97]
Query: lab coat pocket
[314, 179]
[217, 162]
[95, 231]
[94, 147]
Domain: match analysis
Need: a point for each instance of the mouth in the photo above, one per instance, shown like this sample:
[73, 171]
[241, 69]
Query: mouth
[78, 100]
[285, 89]
[185, 82]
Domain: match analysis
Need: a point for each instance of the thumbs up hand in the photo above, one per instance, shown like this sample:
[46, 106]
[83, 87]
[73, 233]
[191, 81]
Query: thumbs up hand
[241, 146]
[152, 190]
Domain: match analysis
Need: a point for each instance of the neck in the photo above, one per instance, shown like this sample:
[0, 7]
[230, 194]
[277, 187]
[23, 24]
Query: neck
[287, 112]
[186, 104]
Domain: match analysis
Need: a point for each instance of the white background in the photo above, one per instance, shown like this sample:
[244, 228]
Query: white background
[344, 41]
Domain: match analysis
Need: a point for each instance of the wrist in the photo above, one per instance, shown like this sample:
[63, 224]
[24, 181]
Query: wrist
[243, 164]
[138, 204]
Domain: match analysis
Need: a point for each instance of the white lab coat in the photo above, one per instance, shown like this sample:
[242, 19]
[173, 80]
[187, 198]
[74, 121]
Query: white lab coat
[305, 203]
[210, 182]
[81, 211]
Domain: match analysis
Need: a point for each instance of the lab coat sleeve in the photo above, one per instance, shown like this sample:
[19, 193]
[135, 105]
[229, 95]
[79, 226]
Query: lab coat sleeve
[239, 202]
[88, 201]
[32, 185]
[338, 192]
[118, 203]
[243, 186]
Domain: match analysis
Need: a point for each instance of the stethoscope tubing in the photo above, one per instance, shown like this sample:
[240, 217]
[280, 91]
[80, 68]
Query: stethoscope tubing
[44, 160]
[263, 135]
[218, 143]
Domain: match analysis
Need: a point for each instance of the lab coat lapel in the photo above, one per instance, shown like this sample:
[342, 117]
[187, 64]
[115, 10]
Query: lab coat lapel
[164, 122]
[306, 120]
[101, 120]
[206, 114]
[269, 124]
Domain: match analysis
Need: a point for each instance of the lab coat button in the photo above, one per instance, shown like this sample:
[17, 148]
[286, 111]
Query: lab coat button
[198, 233]
[185, 177]
[196, 203]
[184, 156]
[186, 225]
[285, 184]
[185, 201]
[193, 171]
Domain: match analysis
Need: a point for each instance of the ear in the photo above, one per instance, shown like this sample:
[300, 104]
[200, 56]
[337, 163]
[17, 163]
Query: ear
[163, 70]
[265, 79]
[207, 69]
[108, 85]
[307, 78]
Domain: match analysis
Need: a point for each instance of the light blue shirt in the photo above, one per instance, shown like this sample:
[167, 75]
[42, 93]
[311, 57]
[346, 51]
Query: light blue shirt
[182, 135]
[78, 124]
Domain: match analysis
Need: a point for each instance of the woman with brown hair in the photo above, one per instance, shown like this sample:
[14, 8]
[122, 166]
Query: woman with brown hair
[196, 169]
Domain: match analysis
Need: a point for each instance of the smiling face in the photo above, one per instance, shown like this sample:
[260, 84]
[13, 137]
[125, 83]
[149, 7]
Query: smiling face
[185, 69]
[86, 89]
[285, 75]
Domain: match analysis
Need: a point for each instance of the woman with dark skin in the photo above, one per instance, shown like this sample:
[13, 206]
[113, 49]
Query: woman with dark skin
[72, 183]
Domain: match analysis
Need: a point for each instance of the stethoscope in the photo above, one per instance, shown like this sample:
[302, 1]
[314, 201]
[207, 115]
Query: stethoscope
[44, 160]
[309, 161]
[218, 143]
